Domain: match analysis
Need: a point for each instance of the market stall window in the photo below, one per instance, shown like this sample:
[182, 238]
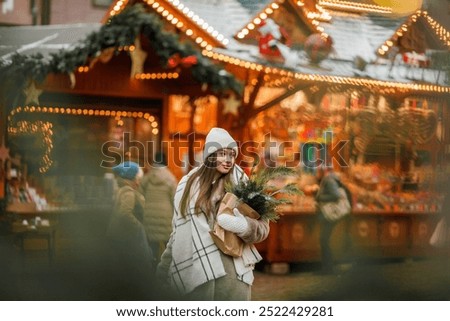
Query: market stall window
[192, 117]
[78, 147]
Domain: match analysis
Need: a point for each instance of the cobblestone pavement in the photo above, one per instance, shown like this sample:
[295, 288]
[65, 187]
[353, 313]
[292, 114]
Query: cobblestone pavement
[407, 280]
[33, 278]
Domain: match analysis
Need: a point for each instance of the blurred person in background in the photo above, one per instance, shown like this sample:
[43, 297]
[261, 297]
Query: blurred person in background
[158, 187]
[327, 191]
[131, 255]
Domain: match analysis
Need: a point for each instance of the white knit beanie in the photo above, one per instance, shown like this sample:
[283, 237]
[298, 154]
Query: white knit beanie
[218, 138]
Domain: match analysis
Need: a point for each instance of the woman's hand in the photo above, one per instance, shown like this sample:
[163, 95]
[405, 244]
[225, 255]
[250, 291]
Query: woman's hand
[234, 223]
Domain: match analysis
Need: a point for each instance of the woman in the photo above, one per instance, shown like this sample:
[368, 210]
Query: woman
[192, 263]
[132, 256]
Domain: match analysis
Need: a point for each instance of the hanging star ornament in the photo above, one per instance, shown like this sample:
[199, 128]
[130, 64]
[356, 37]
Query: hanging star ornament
[32, 93]
[231, 105]
[138, 57]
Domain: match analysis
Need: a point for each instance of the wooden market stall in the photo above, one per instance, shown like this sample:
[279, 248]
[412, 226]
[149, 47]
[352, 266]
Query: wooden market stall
[287, 78]
[125, 90]
[378, 113]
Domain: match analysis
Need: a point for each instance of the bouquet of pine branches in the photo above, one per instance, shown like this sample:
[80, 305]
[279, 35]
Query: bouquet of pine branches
[260, 195]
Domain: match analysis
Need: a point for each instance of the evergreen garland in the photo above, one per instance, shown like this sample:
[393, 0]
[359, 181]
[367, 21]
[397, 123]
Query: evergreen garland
[121, 30]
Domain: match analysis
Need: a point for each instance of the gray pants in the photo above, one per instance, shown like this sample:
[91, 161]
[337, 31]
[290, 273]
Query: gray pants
[226, 288]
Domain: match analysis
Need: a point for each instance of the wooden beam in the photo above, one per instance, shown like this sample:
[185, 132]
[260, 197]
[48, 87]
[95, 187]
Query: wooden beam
[254, 94]
[277, 100]
[300, 15]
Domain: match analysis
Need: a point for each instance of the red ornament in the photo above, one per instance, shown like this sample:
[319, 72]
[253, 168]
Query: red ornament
[318, 47]
[175, 60]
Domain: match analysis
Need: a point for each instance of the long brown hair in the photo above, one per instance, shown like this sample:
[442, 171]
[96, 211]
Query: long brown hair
[207, 186]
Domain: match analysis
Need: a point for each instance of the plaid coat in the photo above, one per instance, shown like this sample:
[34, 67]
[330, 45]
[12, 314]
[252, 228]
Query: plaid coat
[191, 258]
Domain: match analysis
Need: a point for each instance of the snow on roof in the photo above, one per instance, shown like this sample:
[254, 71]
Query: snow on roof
[353, 35]
[226, 16]
[254, 6]
[28, 40]
[359, 35]
[379, 70]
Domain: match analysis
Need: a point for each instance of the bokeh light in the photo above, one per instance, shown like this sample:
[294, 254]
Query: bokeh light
[400, 7]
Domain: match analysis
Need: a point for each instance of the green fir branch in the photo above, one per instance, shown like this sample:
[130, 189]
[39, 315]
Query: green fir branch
[262, 196]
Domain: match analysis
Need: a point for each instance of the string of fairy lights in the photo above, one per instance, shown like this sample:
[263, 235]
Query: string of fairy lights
[354, 6]
[175, 12]
[440, 31]
[180, 16]
[157, 75]
[139, 76]
[46, 128]
[263, 15]
[314, 18]
[143, 76]
[444, 34]
[196, 19]
[366, 82]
